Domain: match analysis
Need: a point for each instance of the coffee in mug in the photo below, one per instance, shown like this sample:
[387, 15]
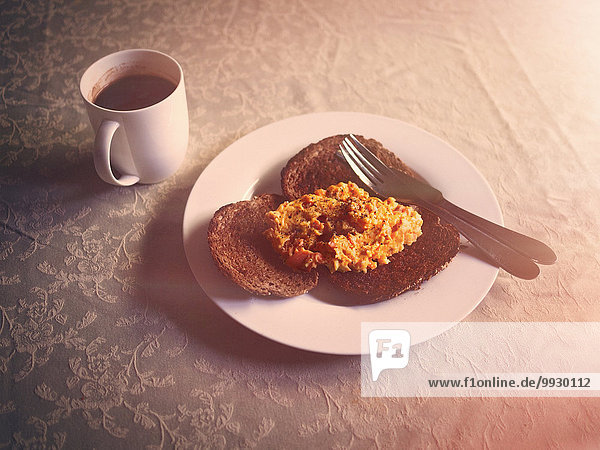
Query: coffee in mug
[137, 106]
[134, 92]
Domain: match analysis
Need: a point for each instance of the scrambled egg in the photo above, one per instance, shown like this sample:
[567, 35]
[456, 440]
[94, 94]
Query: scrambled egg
[341, 227]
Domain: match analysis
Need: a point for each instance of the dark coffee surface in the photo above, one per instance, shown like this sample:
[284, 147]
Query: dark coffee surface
[134, 92]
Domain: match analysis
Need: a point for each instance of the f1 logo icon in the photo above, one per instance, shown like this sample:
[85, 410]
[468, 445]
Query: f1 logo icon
[389, 349]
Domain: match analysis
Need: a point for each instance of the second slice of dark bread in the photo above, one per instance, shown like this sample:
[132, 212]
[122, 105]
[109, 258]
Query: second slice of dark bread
[429, 254]
[317, 166]
[241, 252]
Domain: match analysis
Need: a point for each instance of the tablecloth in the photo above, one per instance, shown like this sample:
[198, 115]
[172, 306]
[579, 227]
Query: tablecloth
[106, 339]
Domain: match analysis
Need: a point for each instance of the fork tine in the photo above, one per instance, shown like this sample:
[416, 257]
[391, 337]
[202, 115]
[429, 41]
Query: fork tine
[357, 166]
[368, 157]
[358, 157]
[362, 162]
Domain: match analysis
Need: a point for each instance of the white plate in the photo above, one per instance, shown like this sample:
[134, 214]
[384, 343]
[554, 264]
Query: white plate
[313, 321]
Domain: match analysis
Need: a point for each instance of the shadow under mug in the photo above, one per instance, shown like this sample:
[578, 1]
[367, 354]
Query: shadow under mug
[144, 145]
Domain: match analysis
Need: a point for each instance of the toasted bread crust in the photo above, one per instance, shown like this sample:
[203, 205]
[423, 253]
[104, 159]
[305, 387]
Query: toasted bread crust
[242, 253]
[318, 166]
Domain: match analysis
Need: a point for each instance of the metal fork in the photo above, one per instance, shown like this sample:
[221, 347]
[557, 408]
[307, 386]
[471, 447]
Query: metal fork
[512, 251]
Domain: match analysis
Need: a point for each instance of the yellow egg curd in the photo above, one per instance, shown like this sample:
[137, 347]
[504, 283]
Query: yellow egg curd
[341, 227]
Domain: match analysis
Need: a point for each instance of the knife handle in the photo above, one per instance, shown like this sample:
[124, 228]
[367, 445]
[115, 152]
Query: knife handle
[527, 246]
[502, 255]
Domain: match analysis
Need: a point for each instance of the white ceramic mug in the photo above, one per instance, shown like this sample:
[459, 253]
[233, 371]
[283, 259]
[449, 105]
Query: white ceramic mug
[144, 145]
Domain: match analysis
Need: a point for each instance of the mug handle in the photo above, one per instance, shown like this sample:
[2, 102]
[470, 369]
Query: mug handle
[104, 137]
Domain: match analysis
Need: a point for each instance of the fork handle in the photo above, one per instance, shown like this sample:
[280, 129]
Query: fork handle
[502, 255]
[527, 246]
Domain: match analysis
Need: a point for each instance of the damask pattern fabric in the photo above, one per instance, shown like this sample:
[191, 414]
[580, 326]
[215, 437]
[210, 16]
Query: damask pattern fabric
[107, 341]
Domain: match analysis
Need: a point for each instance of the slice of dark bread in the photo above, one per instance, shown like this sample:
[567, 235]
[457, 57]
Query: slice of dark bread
[317, 166]
[429, 254]
[242, 253]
